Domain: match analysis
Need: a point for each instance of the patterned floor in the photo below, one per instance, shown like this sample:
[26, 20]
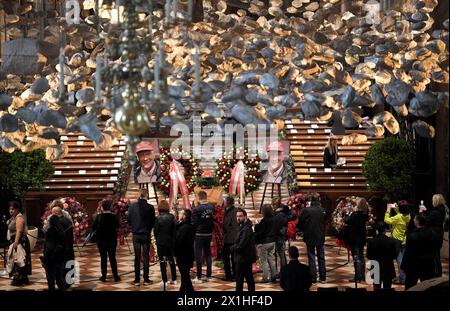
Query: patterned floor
[338, 274]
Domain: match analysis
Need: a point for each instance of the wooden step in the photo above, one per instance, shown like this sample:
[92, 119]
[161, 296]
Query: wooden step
[105, 154]
[96, 166]
[340, 185]
[320, 171]
[84, 186]
[329, 178]
[310, 159]
[88, 161]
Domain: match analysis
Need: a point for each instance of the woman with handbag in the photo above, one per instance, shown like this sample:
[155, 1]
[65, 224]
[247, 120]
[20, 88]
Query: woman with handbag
[104, 233]
[17, 234]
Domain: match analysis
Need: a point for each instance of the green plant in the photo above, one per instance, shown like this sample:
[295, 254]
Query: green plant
[22, 171]
[389, 165]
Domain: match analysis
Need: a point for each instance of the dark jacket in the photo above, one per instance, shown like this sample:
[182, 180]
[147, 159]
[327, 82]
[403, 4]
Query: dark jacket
[295, 276]
[105, 227]
[141, 217]
[356, 229]
[55, 245]
[165, 228]
[281, 219]
[421, 247]
[384, 250]
[265, 231]
[230, 226]
[203, 219]
[329, 159]
[184, 243]
[436, 218]
[244, 249]
[312, 223]
[67, 227]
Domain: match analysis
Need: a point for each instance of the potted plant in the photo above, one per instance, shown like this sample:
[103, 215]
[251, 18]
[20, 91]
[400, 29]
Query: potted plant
[20, 172]
[389, 165]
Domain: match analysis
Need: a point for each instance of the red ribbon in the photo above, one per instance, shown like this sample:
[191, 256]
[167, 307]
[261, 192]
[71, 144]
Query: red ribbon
[178, 182]
[237, 185]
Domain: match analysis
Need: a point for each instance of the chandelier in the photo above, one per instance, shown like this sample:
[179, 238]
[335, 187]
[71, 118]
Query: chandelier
[131, 76]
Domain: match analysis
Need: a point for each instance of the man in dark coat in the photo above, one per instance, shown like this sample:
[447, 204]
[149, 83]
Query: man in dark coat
[244, 252]
[141, 218]
[281, 218]
[184, 249]
[312, 223]
[230, 230]
[383, 250]
[295, 276]
[418, 260]
[203, 222]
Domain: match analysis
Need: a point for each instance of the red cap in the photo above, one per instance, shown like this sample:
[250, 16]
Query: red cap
[144, 145]
[276, 146]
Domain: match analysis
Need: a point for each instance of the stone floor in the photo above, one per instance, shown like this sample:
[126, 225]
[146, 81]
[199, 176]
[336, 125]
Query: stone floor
[339, 271]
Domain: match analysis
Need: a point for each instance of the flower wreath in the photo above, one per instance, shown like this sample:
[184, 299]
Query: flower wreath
[344, 208]
[78, 215]
[226, 163]
[119, 207]
[190, 165]
[295, 204]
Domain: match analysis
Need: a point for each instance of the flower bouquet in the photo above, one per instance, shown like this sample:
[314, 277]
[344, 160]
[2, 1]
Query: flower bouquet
[296, 204]
[217, 233]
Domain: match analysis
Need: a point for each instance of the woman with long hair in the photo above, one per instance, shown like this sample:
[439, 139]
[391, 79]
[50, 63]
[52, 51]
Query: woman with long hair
[330, 153]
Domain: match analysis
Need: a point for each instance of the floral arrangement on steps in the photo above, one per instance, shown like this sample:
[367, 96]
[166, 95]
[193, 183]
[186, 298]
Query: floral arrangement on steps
[228, 161]
[191, 167]
[119, 207]
[79, 217]
[295, 204]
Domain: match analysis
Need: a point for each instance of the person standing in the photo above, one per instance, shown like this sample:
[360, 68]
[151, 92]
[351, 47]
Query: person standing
[184, 249]
[330, 153]
[312, 223]
[244, 252]
[281, 219]
[295, 276]
[436, 219]
[383, 250]
[17, 233]
[165, 228]
[419, 258]
[141, 218]
[399, 223]
[265, 235]
[105, 227]
[356, 237]
[203, 222]
[54, 254]
[230, 230]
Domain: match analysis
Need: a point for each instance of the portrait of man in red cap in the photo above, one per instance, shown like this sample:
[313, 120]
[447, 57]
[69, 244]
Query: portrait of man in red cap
[277, 153]
[148, 169]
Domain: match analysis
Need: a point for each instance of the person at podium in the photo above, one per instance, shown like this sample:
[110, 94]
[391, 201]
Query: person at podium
[330, 154]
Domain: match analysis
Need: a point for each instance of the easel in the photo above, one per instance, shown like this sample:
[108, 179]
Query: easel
[146, 186]
[271, 195]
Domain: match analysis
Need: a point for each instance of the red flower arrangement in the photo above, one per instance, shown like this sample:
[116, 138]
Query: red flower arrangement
[78, 215]
[119, 207]
[218, 221]
[296, 204]
[226, 163]
[190, 165]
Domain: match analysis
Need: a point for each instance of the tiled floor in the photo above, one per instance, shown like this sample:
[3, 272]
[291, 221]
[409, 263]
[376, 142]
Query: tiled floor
[338, 274]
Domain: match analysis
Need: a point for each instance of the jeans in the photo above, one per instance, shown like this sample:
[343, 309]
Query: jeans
[280, 246]
[228, 261]
[186, 283]
[141, 245]
[312, 262]
[55, 273]
[203, 244]
[244, 271]
[165, 255]
[267, 258]
[399, 263]
[358, 262]
[108, 249]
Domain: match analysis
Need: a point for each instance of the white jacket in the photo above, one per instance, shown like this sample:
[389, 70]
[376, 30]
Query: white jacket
[15, 256]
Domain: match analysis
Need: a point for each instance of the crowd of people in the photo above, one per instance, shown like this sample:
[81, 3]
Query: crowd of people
[414, 241]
